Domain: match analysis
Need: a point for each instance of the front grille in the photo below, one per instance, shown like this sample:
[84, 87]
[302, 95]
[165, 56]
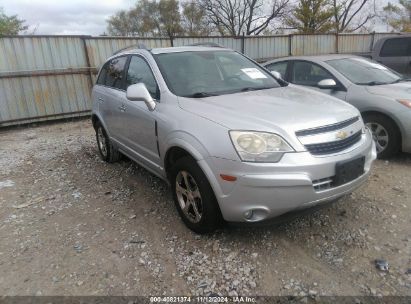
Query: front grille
[328, 128]
[333, 146]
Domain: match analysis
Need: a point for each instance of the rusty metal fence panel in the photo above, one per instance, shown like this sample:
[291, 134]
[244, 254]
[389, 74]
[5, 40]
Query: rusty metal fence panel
[42, 78]
[264, 48]
[354, 43]
[50, 77]
[313, 44]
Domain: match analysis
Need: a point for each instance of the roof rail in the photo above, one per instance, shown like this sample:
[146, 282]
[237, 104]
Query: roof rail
[135, 46]
[207, 44]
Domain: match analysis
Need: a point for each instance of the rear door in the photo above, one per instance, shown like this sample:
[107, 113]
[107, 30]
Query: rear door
[309, 74]
[110, 93]
[395, 53]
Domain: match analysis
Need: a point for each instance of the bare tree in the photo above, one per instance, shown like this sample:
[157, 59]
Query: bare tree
[249, 16]
[348, 14]
[194, 19]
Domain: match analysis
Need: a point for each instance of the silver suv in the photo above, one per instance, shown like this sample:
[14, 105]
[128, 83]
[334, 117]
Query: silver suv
[235, 143]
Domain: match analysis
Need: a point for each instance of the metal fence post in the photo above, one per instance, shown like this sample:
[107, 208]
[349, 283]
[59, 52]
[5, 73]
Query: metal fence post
[372, 41]
[336, 43]
[290, 49]
[243, 43]
[89, 67]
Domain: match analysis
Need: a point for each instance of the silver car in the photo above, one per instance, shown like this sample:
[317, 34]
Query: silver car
[234, 143]
[382, 95]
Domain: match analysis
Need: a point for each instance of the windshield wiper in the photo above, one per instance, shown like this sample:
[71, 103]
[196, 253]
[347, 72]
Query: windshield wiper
[246, 89]
[372, 83]
[201, 95]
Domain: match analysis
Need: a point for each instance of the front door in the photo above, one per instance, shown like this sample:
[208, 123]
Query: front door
[309, 74]
[139, 131]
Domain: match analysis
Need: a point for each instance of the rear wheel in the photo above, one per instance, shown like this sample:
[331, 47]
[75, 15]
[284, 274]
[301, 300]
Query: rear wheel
[107, 151]
[385, 134]
[194, 197]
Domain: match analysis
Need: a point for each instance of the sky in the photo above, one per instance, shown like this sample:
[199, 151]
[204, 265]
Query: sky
[75, 17]
[63, 17]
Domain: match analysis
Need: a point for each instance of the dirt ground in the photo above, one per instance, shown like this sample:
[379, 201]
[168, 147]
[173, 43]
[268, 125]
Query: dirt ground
[71, 224]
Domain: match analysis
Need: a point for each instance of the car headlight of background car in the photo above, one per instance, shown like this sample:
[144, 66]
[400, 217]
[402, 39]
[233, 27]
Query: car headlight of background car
[254, 146]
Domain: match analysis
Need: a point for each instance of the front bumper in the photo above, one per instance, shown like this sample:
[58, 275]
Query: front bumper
[270, 190]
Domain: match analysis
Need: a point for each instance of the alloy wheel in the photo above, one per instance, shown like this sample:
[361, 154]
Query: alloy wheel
[189, 197]
[379, 134]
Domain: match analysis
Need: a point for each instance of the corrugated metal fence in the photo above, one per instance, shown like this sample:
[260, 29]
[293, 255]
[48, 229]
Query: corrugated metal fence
[50, 77]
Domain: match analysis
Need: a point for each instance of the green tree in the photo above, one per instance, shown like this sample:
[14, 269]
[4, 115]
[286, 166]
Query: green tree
[312, 16]
[398, 16]
[194, 19]
[170, 18]
[141, 20]
[11, 25]
[147, 18]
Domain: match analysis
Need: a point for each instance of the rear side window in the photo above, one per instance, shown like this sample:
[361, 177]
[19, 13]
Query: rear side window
[140, 71]
[280, 67]
[112, 72]
[396, 47]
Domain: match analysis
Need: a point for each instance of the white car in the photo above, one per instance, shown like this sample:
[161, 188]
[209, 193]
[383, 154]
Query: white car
[382, 95]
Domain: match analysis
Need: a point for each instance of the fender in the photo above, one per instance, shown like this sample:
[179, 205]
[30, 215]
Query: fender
[102, 122]
[198, 151]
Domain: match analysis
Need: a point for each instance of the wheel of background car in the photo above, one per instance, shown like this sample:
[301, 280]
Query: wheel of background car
[193, 196]
[107, 152]
[385, 134]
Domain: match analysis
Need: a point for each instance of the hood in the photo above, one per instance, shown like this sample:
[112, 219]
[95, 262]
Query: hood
[284, 110]
[393, 91]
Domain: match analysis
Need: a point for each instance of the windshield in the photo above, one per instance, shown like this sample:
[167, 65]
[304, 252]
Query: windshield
[364, 72]
[211, 73]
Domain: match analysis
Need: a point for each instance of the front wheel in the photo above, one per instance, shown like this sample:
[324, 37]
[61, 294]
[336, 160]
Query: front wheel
[385, 134]
[194, 197]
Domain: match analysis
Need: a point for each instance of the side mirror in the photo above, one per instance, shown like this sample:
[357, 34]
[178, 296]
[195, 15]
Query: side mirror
[139, 92]
[276, 74]
[327, 84]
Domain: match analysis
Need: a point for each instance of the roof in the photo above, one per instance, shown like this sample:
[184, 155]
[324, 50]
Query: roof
[179, 49]
[316, 57]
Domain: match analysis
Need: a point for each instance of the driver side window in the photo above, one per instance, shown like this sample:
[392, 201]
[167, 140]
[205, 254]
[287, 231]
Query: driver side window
[308, 74]
[140, 71]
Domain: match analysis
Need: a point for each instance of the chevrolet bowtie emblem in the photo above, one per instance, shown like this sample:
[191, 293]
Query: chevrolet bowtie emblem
[341, 135]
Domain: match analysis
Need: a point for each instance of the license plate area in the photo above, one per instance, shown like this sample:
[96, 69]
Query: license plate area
[347, 171]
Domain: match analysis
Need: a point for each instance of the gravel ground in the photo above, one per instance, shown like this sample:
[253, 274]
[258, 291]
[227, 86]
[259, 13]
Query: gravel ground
[71, 224]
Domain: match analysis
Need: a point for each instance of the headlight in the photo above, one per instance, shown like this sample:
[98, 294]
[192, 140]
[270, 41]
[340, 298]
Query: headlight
[259, 146]
[405, 102]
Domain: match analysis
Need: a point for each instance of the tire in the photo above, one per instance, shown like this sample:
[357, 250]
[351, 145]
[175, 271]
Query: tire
[107, 151]
[202, 214]
[385, 133]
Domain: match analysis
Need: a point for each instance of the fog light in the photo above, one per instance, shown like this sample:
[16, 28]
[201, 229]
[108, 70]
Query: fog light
[248, 214]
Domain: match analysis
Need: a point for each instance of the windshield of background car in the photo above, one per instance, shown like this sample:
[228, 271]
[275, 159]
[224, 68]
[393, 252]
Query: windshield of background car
[210, 73]
[364, 72]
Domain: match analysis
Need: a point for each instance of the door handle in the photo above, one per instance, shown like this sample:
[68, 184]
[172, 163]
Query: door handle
[122, 108]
